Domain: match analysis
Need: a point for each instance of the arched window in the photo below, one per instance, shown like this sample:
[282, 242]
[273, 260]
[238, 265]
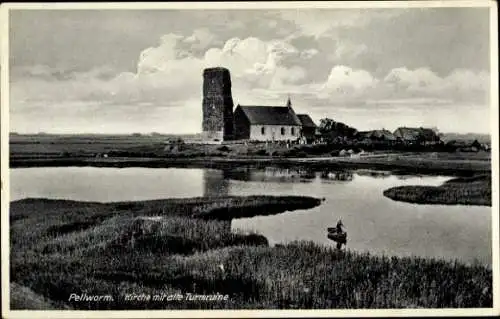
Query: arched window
[282, 131]
[263, 131]
[293, 130]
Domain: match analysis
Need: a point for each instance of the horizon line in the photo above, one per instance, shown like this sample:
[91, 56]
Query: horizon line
[197, 133]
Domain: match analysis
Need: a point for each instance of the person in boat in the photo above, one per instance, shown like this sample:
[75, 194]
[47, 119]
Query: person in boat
[339, 226]
[340, 230]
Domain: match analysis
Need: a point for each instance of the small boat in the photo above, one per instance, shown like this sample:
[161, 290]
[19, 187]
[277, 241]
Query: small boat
[336, 236]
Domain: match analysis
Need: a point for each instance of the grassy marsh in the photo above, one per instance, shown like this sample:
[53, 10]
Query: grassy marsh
[170, 247]
[474, 190]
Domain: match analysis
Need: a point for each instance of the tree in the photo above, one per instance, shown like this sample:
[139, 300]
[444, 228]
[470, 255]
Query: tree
[334, 131]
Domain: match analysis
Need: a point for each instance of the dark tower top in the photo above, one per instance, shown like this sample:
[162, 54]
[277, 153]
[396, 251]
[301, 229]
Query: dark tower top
[217, 102]
[216, 81]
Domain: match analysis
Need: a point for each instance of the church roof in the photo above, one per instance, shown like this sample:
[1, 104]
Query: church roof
[270, 115]
[306, 120]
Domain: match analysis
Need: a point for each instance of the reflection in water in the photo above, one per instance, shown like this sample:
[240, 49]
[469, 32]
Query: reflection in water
[408, 176]
[215, 183]
[271, 174]
[375, 223]
[286, 175]
[345, 176]
[373, 173]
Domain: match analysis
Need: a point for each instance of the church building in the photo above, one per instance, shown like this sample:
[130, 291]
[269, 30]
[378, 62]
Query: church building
[248, 122]
[266, 123]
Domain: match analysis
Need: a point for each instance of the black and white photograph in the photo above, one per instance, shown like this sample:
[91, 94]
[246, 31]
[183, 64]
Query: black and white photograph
[266, 158]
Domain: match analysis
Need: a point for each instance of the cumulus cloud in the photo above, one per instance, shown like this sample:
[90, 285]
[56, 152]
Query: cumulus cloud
[255, 63]
[168, 74]
[163, 57]
[458, 85]
[346, 50]
[402, 86]
[200, 39]
[343, 79]
[247, 56]
[250, 57]
[412, 79]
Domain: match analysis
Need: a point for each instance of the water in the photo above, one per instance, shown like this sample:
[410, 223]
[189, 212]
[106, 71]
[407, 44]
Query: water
[374, 223]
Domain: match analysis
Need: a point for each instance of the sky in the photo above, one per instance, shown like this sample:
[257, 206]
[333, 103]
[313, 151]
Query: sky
[124, 71]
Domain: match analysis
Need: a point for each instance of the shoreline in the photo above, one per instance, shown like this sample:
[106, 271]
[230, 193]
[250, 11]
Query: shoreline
[406, 165]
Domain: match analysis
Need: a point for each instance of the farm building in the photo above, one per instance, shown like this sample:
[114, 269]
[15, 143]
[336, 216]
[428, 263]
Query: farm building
[378, 135]
[423, 136]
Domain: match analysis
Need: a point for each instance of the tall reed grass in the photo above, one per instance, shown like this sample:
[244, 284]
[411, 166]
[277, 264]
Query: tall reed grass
[139, 248]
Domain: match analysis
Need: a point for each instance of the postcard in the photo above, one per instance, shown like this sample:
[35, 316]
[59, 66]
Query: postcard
[250, 159]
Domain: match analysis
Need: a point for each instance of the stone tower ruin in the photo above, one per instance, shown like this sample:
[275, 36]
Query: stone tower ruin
[217, 104]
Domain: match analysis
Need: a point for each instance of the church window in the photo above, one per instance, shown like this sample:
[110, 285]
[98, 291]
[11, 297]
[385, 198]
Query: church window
[263, 130]
[293, 130]
[282, 131]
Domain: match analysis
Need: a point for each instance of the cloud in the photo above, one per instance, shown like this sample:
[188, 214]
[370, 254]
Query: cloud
[247, 56]
[47, 73]
[412, 79]
[162, 57]
[347, 51]
[345, 80]
[169, 76]
[462, 79]
[308, 53]
[256, 63]
[458, 85]
[200, 39]
[402, 86]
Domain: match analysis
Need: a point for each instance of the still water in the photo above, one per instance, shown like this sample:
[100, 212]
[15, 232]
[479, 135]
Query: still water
[374, 223]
